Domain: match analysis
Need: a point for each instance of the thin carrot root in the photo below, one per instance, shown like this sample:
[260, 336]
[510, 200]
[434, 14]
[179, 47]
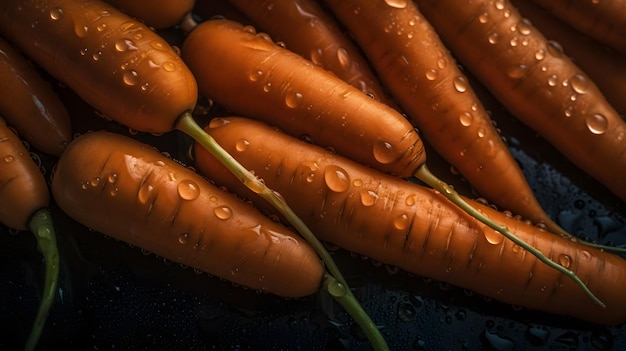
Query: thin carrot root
[424, 174]
[41, 226]
[334, 282]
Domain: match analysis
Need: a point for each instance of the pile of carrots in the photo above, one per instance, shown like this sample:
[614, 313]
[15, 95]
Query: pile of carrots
[324, 116]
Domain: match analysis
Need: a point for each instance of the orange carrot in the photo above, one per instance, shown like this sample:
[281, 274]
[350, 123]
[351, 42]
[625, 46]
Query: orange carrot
[24, 202]
[30, 105]
[126, 189]
[427, 83]
[536, 83]
[416, 229]
[307, 29]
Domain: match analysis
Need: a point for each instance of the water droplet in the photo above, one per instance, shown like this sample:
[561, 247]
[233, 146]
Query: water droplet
[431, 74]
[101, 27]
[460, 84]
[183, 238]
[9, 158]
[492, 38]
[241, 145]
[483, 17]
[493, 237]
[537, 336]
[336, 178]
[292, 99]
[524, 27]
[145, 192]
[466, 119]
[401, 222]
[410, 200]
[565, 260]
[496, 342]
[553, 80]
[368, 198]
[597, 123]
[96, 55]
[357, 183]
[124, 45]
[112, 178]
[499, 4]
[188, 190]
[81, 30]
[130, 77]
[514, 41]
[555, 48]
[267, 87]
[384, 152]
[406, 312]
[56, 13]
[517, 71]
[169, 66]
[255, 75]
[400, 4]
[481, 132]
[223, 212]
[579, 84]
[343, 58]
[540, 54]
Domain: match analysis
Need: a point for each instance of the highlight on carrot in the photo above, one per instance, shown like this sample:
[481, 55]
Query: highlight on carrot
[29, 104]
[536, 83]
[25, 199]
[424, 78]
[415, 228]
[256, 78]
[308, 30]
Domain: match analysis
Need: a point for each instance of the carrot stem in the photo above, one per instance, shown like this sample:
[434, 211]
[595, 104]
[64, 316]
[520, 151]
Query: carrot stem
[335, 284]
[424, 174]
[41, 226]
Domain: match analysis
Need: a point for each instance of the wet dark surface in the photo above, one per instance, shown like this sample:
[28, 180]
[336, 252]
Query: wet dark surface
[115, 297]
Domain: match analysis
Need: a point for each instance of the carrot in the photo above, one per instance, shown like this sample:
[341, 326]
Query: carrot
[25, 200]
[539, 85]
[307, 29]
[157, 14]
[126, 189]
[128, 72]
[424, 78]
[604, 65]
[603, 20]
[416, 229]
[30, 105]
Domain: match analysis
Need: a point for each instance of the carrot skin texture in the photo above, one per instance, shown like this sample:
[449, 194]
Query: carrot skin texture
[414, 228]
[256, 78]
[603, 20]
[424, 78]
[157, 14]
[539, 85]
[116, 64]
[307, 29]
[126, 189]
[29, 104]
[604, 65]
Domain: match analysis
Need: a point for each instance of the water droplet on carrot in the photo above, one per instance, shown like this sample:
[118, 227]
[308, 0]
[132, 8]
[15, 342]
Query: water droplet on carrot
[101, 27]
[579, 83]
[255, 75]
[565, 260]
[384, 152]
[96, 55]
[183, 238]
[292, 99]
[336, 178]
[493, 237]
[94, 182]
[553, 80]
[555, 48]
[112, 178]
[241, 144]
[130, 77]
[223, 212]
[492, 38]
[188, 190]
[524, 27]
[9, 158]
[169, 66]
[431, 74]
[401, 222]
[466, 119]
[56, 13]
[81, 30]
[460, 84]
[597, 123]
[357, 183]
[343, 58]
[483, 17]
[540, 54]
[517, 71]
[267, 87]
[368, 198]
[145, 193]
[499, 4]
[125, 44]
[400, 4]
